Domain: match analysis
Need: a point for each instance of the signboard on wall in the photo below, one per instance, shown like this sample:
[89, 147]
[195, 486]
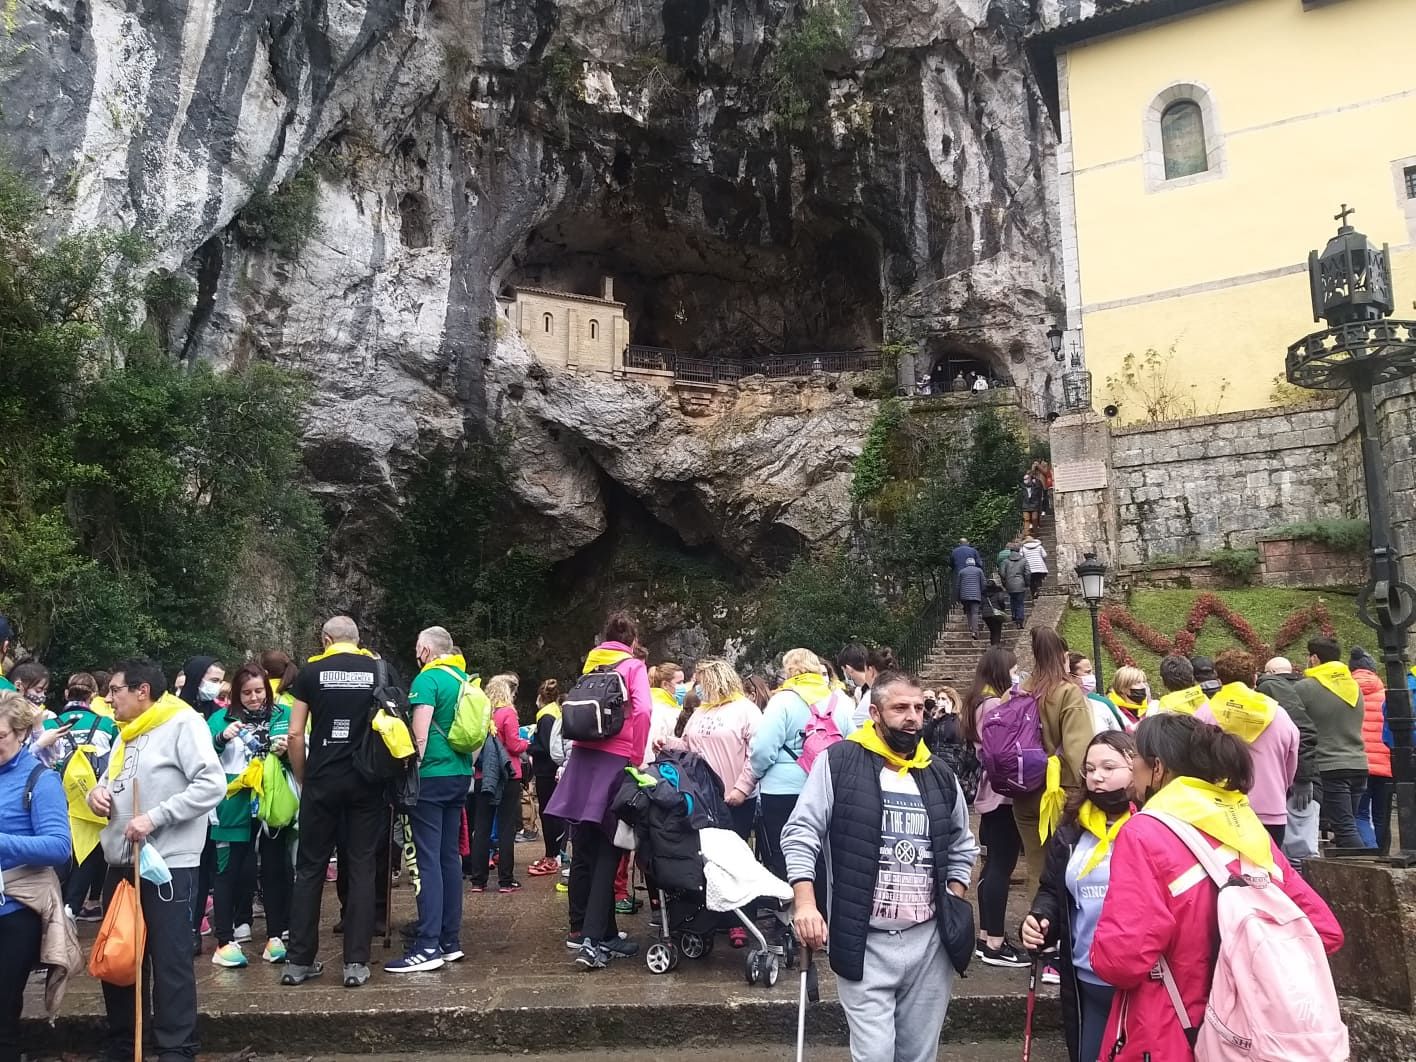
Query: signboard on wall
[1078, 475]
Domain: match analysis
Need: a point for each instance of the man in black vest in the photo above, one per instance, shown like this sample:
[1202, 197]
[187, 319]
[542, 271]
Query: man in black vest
[894, 829]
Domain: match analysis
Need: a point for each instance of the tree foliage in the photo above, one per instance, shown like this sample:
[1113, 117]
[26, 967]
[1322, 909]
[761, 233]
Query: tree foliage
[800, 85]
[129, 485]
[823, 603]
[1147, 389]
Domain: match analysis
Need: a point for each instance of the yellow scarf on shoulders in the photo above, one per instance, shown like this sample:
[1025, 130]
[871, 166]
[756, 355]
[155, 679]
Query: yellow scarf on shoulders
[163, 709]
[663, 698]
[1219, 813]
[99, 706]
[1054, 800]
[809, 686]
[1243, 712]
[868, 737]
[335, 648]
[553, 710]
[456, 660]
[603, 658]
[1337, 679]
[1093, 820]
[1183, 702]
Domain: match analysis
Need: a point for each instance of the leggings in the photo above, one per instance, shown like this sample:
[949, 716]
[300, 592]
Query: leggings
[1096, 1010]
[998, 833]
[553, 830]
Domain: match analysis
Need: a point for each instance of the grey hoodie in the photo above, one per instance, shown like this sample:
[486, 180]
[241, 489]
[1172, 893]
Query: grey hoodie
[1014, 571]
[179, 782]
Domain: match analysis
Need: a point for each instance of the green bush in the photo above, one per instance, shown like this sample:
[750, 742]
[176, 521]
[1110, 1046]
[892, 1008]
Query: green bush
[800, 84]
[285, 218]
[823, 603]
[1347, 536]
[1240, 565]
[872, 467]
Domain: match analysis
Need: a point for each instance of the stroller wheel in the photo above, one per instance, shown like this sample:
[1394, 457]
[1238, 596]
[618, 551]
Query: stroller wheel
[770, 969]
[661, 958]
[694, 945]
[789, 950]
[753, 965]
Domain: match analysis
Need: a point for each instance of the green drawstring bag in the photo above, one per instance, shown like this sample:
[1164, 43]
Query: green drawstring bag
[279, 803]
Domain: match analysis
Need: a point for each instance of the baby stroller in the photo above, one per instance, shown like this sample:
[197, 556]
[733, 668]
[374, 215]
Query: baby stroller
[701, 870]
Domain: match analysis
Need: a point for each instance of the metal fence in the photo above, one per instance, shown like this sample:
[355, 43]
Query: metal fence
[729, 370]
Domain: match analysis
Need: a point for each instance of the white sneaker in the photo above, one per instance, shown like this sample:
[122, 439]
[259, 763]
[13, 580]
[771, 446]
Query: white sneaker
[243, 933]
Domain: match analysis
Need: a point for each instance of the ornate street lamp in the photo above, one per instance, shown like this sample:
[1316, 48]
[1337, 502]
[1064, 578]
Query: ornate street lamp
[1076, 387]
[1091, 574]
[1361, 348]
[1054, 342]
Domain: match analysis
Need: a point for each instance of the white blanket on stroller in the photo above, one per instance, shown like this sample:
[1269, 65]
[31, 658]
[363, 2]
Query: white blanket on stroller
[735, 877]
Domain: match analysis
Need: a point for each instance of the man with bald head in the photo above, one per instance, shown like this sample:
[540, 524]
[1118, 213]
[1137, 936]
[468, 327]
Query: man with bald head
[1280, 682]
[334, 692]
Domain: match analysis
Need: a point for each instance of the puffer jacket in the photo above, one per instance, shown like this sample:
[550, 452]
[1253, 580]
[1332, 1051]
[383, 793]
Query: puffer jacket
[1373, 699]
[1141, 920]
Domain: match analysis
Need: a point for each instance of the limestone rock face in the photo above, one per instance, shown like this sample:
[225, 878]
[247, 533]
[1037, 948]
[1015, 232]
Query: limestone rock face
[452, 148]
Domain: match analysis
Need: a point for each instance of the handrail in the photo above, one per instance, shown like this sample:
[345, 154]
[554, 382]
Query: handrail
[727, 370]
[920, 639]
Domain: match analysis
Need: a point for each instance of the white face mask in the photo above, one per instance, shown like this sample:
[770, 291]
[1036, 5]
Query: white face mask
[1088, 683]
[1017, 678]
[209, 691]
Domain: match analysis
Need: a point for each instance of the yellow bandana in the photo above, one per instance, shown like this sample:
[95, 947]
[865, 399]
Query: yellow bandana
[1219, 813]
[456, 660]
[603, 658]
[252, 778]
[871, 740]
[1138, 711]
[1054, 799]
[1337, 680]
[553, 710]
[663, 698]
[340, 647]
[1183, 702]
[809, 686]
[98, 706]
[1243, 712]
[163, 709]
[1093, 820]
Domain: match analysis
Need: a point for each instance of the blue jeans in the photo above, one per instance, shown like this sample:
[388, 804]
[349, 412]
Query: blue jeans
[1016, 604]
[437, 820]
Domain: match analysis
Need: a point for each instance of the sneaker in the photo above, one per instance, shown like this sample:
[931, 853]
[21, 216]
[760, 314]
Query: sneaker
[274, 950]
[619, 948]
[562, 887]
[92, 913]
[543, 867]
[592, 956]
[574, 940]
[298, 975]
[332, 872]
[624, 907]
[737, 937]
[229, 955]
[453, 955]
[510, 886]
[355, 974]
[243, 933]
[526, 836]
[206, 927]
[1003, 955]
[1050, 976]
[476, 888]
[415, 962]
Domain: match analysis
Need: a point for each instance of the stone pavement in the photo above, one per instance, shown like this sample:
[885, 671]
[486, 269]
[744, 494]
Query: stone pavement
[517, 989]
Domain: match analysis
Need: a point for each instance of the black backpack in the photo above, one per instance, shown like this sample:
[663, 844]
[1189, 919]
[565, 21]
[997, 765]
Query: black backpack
[946, 742]
[372, 760]
[594, 708]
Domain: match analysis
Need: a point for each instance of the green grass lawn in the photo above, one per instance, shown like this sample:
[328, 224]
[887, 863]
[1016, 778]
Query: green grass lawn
[1265, 610]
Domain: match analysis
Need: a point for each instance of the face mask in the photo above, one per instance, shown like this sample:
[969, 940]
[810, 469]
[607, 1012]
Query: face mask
[153, 867]
[902, 742]
[34, 696]
[1088, 683]
[1138, 695]
[209, 691]
[680, 692]
[1111, 801]
[1016, 676]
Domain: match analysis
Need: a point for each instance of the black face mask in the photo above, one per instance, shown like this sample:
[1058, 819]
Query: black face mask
[1111, 801]
[1138, 695]
[902, 742]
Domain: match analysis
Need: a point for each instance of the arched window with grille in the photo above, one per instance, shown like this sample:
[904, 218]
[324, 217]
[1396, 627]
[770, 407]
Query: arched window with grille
[594, 329]
[1182, 139]
[547, 323]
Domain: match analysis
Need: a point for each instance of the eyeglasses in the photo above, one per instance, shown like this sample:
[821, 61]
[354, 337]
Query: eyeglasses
[114, 688]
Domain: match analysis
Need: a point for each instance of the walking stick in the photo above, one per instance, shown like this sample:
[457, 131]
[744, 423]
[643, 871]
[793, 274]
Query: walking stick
[388, 895]
[137, 939]
[1032, 1004]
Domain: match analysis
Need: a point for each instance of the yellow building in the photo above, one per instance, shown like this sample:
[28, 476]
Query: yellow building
[571, 331]
[1205, 146]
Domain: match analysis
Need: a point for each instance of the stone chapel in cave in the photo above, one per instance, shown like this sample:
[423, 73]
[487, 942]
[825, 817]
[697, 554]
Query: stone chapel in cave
[568, 330]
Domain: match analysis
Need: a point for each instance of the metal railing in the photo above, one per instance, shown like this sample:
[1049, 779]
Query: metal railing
[920, 639]
[729, 370]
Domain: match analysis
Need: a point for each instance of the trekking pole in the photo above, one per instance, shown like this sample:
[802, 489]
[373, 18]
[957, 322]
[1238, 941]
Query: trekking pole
[1032, 1004]
[808, 973]
[137, 939]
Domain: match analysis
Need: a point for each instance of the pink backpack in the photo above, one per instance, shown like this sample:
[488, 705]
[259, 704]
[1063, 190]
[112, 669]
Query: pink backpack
[1272, 998]
[820, 732]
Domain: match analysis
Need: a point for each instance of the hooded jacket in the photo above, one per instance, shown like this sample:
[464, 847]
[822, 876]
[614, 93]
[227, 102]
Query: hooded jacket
[1014, 571]
[970, 582]
[192, 673]
[1373, 722]
[1035, 553]
[633, 737]
[1284, 689]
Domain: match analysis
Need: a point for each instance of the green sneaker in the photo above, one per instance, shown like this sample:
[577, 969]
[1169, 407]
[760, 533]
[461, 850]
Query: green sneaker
[624, 907]
[229, 955]
[274, 950]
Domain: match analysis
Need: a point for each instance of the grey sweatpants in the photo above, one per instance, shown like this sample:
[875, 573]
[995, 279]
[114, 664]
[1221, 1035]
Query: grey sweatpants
[895, 1012]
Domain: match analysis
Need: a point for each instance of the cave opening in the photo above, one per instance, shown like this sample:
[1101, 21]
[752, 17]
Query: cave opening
[951, 366]
[697, 291]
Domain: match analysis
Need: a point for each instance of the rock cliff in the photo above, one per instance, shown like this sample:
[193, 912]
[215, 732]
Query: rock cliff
[348, 184]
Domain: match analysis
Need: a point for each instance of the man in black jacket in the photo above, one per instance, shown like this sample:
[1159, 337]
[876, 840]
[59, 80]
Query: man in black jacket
[894, 828]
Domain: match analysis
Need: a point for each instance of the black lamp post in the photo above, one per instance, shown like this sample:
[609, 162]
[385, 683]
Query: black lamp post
[1054, 342]
[1091, 574]
[1361, 348]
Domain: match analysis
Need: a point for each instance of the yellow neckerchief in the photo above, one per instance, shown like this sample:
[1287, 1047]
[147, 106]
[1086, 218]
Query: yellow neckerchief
[1219, 813]
[1137, 710]
[870, 739]
[1337, 679]
[1092, 819]
[1183, 702]
[341, 647]
[663, 697]
[1243, 712]
[601, 657]
[729, 699]
[837, 686]
[1054, 800]
[456, 660]
[553, 709]
[163, 709]
[99, 706]
[809, 686]
[275, 685]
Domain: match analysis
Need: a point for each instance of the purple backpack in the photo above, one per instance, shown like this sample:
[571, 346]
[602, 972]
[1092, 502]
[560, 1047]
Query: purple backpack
[1010, 746]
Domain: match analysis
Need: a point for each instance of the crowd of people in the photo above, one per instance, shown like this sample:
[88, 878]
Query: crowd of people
[857, 787]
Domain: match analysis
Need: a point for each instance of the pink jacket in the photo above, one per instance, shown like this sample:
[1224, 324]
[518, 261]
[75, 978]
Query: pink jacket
[1275, 755]
[1141, 920]
[633, 737]
[723, 736]
[508, 729]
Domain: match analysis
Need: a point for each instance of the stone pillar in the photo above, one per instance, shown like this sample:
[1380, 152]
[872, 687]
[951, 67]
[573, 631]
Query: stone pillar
[1376, 906]
[1084, 496]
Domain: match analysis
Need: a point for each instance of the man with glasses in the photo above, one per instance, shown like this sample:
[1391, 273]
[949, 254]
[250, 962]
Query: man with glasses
[163, 779]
